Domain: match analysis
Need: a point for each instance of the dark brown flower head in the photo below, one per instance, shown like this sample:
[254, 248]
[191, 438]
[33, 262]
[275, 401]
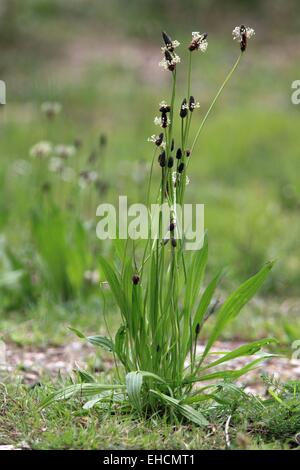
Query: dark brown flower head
[180, 167]
[164, 107]
[168, 41]
[172, 226]
[170, 162]
[188, 152]
[179, 153]
[162, 159]
[159, 139]
[199, 42]
[242, 34]
[192, 103]
[135, 279]
[169, 59]
[174, 242]
[170, 45]
[164, 120]
[183, 108]
[243, 38]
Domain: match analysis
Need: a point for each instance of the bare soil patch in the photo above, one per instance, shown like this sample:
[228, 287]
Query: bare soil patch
[31, 364]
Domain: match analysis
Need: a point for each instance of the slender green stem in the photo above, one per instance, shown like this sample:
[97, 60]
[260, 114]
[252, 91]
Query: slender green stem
[215, 100]
[171, 113]
[189, 76]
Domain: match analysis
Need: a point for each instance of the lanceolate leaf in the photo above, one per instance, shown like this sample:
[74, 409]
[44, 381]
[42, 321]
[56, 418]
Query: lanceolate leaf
[102, 341]
[235, 302]
[205, 301]
[231, 374]
[77, 332]
[115, 285]
[245, 350]
[83, 389]
[98, 340]
[185, 410]
[134, 382]
[195, 276]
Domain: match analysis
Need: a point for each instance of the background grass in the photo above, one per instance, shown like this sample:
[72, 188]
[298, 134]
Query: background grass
[100, 61]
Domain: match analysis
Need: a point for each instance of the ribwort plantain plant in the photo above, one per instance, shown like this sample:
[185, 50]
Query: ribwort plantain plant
[163, 299]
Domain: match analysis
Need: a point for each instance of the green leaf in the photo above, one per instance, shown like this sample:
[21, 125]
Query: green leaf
[91, 403]
[185, 410]
[102, 341]
[85, 376]
[134, 382]
[120, 344]
[195, 276]
[98, 340]
[205, 301]
[244, 350]
[84, 390]
[115, 285]
[235, 302]
[152, 376]
[77, 332]
[235, 374]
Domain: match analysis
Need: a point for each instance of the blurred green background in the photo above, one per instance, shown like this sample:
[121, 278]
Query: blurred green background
[99, 60]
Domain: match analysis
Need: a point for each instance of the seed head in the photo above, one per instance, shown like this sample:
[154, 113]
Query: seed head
[170, 61]
[169, 44]
[179, 153]
[193, 104]
[51, 109]
[172, 226]
[162, 159]
[135, 279]
[167, 40]
[41, 150]
[164, 120]
[64, 151]
[180, 167]
[172, 145]
[198, 42]
[188, 152]
[197, 329]
[183, 108]
[242, 34]
[174, 242]
[159, 139]
[170, 162]
[164, 107]
[156, 139]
